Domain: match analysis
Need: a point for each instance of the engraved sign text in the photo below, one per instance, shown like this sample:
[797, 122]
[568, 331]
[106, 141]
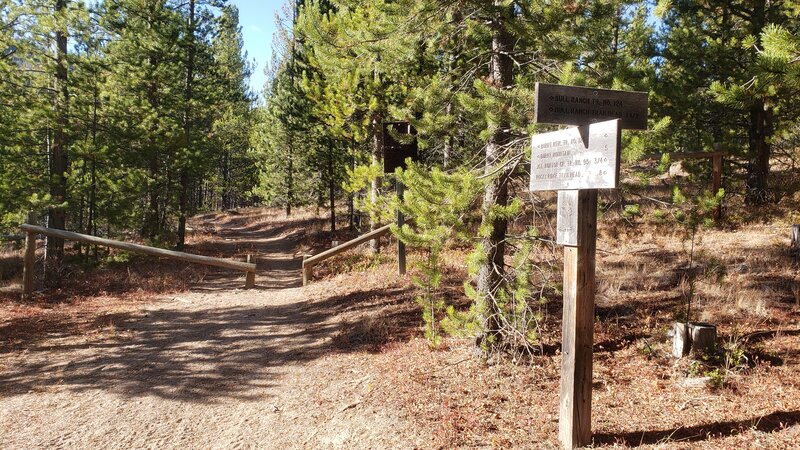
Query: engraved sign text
[576, 158]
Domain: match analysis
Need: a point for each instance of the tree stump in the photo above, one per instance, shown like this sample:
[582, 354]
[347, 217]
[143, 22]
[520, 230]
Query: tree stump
[704, 337]
[695, 338]
[681, 340]
[796, 241]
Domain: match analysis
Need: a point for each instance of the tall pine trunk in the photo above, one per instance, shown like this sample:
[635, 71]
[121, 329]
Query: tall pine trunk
[187, 128]
[331, 186]
[377, 153]
[761, 126]
[351, 207]
[152, 222]
[492, 269]
[226, 181]
[759, 134]
[58, 175]
[289, 182]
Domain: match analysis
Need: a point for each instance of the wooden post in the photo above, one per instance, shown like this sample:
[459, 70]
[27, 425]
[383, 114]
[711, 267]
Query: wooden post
[401, 246]
[716, 175]
[575, 413]
[29, 259]
[306, 271]
[250, 278]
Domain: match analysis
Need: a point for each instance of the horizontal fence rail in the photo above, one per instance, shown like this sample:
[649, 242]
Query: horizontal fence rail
[679, 156]
[33, 230]
[310, 262]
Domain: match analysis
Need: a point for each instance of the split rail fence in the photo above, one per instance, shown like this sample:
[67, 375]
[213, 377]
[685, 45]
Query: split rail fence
[310, 261]
[30, 254]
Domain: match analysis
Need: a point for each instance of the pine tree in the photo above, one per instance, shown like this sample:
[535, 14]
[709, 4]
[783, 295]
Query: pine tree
[236, 172]
[710, 58]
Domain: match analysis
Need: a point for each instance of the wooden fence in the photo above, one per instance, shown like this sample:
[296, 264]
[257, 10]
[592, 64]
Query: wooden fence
[716, 170]
[310, 262]
[30, 254]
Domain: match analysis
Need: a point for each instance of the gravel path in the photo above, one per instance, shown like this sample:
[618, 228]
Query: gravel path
[213, 368]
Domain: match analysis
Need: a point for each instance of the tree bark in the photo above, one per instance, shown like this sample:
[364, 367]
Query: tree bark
[492, 269]
[448, 140]
[761, 125]
[152, 222]
[332, 186]
[187, 128]
[351, 209]
[377, 153]
[58, 180]
[759, 133]
[226, 181]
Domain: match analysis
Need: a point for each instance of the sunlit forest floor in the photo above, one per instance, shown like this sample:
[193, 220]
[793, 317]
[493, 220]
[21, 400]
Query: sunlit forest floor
[141, 352]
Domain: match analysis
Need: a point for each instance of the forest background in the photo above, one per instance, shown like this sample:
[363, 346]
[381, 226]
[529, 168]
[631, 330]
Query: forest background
[125, 117]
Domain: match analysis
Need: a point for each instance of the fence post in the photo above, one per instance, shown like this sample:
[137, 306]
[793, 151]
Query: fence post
[250, 278]
[401, 246]
[306, 271]
[29, 259]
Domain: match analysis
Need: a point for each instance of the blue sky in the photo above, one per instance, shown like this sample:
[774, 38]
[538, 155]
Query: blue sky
[257, 18]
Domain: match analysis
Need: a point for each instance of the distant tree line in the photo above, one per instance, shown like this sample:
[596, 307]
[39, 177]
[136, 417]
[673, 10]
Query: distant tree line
[129, 115]
[123, 115]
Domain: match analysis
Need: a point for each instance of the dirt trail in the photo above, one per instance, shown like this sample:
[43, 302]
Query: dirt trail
[217, 367]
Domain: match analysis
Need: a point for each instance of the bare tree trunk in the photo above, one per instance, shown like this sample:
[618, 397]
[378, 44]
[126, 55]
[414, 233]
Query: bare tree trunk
[448, 140]
[226, 180]
[377, 154]
[289, 184]
[187, 128]
[761, 126]
[760, 131]
[91, 228]
[351, 210]
[331, 186]
[152, 222]
[490, 274]
[58, 182]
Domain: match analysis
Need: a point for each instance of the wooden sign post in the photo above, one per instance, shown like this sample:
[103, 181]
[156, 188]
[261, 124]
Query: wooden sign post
[395, 152]
[577, 162]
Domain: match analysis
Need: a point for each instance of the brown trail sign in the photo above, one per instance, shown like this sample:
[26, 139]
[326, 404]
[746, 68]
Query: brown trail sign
[395, 153]
[577, 162]
[573, 105]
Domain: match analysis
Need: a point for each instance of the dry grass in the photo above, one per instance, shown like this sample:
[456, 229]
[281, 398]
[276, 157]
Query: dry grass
[746, 283]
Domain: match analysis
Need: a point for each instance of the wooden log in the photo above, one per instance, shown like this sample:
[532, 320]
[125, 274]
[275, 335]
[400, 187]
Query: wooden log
[681, 340]
[703, 337]
[575, 413]
[153, 251]
[29, 260]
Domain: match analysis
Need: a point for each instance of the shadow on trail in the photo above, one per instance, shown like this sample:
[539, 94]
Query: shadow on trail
[777, 420]
[209, 354]
[278, 265]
